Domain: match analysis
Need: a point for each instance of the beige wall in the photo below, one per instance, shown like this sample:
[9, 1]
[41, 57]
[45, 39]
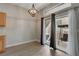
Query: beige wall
[20, 26]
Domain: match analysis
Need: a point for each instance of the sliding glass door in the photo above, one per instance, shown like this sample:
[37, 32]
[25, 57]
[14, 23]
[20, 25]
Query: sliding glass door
[47, 30]
[62, 33]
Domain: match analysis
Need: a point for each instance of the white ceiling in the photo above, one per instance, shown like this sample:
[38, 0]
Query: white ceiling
[29, 5]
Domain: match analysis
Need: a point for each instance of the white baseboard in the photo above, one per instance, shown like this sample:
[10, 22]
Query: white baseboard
[38, 40]
[11, 45]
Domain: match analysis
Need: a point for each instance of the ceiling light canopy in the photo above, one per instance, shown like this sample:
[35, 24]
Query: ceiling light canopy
[33, 11]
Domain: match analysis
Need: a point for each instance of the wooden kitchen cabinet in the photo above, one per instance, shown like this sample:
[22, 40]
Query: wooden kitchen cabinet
[2, 44]
[2, 19]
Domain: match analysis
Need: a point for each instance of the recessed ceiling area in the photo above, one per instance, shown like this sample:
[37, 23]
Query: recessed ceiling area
[38, 6]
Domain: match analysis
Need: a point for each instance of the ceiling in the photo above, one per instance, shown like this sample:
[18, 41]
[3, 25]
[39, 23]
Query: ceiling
[38, 6]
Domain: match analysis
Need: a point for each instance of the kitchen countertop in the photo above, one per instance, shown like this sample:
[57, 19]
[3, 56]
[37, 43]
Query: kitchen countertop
[2, 34]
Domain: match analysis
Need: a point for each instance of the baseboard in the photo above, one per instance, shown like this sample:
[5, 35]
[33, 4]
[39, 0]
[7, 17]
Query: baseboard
[7, 46]
[38, 40]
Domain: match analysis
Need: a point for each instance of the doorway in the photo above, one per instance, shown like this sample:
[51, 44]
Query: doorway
[47, 30]
[54, 32]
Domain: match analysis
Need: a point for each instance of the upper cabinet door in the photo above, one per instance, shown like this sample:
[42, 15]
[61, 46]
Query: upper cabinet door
[2, 19]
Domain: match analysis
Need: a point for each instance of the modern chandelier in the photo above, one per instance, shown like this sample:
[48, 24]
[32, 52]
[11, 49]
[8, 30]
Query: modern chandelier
[33, 11]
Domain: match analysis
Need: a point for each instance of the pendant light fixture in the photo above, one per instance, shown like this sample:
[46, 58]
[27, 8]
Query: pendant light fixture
[33, 11]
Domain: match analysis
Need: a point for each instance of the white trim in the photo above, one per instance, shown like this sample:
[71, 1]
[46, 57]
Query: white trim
[57, 5]
[19, 43]
[58, 8]
[38, 40]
